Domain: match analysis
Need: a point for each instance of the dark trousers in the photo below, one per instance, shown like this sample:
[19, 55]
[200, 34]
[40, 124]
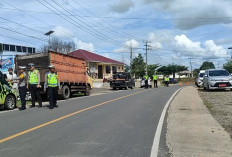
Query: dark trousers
[35, 94]
[53, 94]
[155, 84]
[22, 95]
[166, 83]
[146, 83]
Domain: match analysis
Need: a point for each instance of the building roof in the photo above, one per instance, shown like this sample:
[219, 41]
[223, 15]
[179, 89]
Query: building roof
[185, 72]
[92, 57]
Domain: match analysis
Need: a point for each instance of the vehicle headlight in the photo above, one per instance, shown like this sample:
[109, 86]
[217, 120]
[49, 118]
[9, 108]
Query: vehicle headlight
[230, 79]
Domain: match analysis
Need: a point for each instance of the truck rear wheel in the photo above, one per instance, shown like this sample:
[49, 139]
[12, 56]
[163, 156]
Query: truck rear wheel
[65, 92]
[87, 91]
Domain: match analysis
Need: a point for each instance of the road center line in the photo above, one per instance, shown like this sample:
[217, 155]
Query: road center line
[64, 117]
[155, 145]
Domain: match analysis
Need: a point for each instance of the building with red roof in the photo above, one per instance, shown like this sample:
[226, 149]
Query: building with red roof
[99, 66]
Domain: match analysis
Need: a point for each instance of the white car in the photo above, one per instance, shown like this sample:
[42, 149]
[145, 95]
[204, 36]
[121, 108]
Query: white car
[217, 79]
[199, 81]
[142, 83]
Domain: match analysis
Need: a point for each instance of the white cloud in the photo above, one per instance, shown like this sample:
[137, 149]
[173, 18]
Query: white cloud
[155, 41]
[82, 45]
[192, 13]
[123, 6]
[186, 47]
[183, 43]
[128, 44]
[62, 32]
[215, 50]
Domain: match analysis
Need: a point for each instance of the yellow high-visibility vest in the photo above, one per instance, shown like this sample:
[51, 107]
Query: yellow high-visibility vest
[154, 77]
[33, 78]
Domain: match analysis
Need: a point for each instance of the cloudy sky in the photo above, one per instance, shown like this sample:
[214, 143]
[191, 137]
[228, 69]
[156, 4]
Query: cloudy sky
[175, 29]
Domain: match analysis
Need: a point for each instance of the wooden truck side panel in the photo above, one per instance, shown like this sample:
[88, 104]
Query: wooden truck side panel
[69, 69]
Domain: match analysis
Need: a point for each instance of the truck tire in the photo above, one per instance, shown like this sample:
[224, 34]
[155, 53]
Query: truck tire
[87, 91]
[10, 102]
[65, 92]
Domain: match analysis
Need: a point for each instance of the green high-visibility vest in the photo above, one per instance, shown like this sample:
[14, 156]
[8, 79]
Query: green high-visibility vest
[52, 80]
[154, 77]
[146, 77]
[33, 78]
[166, 78]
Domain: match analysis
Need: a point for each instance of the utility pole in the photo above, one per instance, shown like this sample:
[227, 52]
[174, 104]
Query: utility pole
[147, 48]
[191, 66]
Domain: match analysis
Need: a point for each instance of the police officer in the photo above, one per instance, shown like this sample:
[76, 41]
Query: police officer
[146, 81]
[22, 86]
[166, 79]
[155, 80]
[52, 84]
[34, 85]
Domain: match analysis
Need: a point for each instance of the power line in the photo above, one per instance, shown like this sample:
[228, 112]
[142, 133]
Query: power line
[74, 22]
[104, 21]
[127, 18]
[18, 39]
[24, 34]
[93, 21]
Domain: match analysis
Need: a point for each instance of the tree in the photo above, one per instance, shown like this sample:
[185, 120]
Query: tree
[151, 69]
[172, 69]
[196, 72]
[59, 45]
[138, 66]
[127, 68]
[207, 65]
[228, 66]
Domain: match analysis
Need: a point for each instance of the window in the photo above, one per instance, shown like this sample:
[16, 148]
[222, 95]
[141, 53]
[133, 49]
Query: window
[24, 49]
[218, 73]
[118, 68]
[108, 70]
[122, 68]
[29, 50]
[19, 48]
[12, 47]
[6, 47]
[114, 68]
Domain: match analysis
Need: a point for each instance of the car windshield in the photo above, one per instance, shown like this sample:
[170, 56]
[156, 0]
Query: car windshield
[120, 76]
[201, 74]
[218, 73]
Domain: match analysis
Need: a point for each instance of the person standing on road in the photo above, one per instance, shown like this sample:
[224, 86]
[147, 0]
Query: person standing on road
[22, 86]
[11, 76]
[34, 85]
[146, 81]
[166, 80]
[155, 81]
[52, 84]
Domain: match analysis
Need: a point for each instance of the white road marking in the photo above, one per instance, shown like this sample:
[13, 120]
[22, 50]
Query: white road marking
[155, 145]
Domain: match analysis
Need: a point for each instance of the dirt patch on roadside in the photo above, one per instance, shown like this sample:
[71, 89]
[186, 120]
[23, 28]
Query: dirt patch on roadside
[219, 104]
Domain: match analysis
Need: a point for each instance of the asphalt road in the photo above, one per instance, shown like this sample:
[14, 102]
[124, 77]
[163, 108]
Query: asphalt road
[117, 124]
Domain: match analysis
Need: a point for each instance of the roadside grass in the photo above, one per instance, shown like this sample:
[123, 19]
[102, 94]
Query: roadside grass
[218, 113]
[228, 128]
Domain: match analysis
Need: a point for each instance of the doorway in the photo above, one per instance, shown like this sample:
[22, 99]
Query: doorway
[100, 72]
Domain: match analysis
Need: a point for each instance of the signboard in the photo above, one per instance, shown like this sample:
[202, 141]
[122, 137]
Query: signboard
[7, 63]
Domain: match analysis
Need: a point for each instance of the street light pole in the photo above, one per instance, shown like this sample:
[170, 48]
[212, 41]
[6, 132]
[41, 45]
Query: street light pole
[49, 34]
[231, 53]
